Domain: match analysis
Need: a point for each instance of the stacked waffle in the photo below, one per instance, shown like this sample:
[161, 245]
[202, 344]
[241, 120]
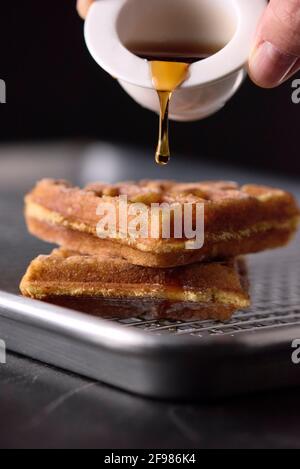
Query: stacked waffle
[205, 282]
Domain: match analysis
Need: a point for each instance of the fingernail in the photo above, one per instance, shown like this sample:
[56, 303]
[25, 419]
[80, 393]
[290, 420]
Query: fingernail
[269, 66]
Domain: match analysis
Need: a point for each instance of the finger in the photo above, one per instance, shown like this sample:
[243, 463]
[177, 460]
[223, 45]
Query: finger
[277, 45]
[83, 7]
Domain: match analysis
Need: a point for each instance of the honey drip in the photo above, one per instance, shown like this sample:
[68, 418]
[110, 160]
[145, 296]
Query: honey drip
[166, 77]
[169, 67]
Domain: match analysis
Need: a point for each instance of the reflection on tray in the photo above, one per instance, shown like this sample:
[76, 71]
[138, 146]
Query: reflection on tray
[137, 308]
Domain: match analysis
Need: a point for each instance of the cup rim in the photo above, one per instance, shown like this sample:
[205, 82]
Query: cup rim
[105, 46]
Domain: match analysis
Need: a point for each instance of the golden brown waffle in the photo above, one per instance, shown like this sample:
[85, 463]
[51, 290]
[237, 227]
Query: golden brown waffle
[198, 291]
[238, 220]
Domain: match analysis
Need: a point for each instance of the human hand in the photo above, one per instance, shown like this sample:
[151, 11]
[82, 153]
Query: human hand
[276, 52]
[83, 7]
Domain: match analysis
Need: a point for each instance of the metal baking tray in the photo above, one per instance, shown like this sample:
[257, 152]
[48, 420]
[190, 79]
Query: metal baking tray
[161, 359]
[173, 359]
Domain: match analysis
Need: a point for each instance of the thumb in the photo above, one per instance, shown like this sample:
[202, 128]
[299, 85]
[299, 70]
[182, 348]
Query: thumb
[276, 52]
[83, 7]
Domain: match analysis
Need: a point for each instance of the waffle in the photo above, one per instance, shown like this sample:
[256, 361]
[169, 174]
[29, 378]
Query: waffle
[198, 291]
[238, 220]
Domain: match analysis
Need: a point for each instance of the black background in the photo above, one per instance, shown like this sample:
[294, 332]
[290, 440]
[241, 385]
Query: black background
[56, 91]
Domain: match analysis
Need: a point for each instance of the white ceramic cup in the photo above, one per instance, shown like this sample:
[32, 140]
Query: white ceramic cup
[113, 24]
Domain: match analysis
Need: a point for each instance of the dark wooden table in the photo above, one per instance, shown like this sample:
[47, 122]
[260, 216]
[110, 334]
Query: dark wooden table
[42, 407]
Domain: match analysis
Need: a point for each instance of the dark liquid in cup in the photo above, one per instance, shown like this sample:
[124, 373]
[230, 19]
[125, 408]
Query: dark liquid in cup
[169, 66]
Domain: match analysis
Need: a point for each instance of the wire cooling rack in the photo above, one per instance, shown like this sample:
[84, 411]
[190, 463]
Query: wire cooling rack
[275, 293]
